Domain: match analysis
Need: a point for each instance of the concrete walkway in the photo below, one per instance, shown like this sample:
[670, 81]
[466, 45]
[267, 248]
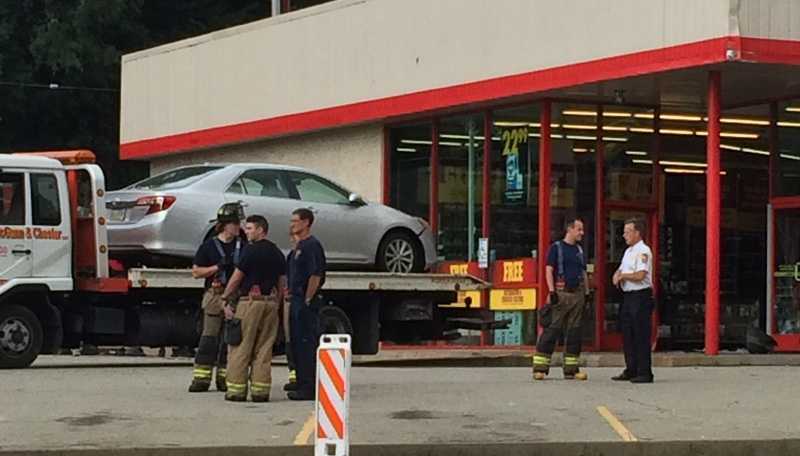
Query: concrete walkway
[464, 411]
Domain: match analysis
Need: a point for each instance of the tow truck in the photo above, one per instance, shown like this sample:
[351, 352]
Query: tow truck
[57, 289]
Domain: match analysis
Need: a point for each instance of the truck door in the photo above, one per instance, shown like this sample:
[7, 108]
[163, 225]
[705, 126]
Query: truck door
[51, 239]
[15, 246]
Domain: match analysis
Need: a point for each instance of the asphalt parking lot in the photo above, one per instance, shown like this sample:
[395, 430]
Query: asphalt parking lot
[119, 408]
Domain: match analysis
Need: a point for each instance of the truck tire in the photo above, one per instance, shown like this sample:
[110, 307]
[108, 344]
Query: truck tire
[399, 252]
[333, 320]
[21, 336]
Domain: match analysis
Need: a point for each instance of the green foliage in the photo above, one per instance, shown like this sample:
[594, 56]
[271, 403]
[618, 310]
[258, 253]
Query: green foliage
[79, 43]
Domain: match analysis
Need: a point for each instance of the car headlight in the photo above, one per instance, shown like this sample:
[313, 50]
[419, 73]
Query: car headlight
[423, 223]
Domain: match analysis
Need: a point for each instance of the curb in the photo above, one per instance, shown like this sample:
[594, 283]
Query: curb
[672, 448]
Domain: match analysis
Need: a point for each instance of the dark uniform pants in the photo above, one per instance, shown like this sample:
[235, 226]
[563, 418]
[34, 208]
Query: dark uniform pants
[635, 322]
[259, 316]
[567, 319]
[304, 322]
[211, 350]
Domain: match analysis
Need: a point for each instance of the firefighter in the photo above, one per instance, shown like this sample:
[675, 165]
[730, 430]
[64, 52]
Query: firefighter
[568, 286]
[259, 279]
[215, 261]
[634, 277]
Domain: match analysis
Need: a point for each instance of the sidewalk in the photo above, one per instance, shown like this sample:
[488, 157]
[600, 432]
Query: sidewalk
[452, 358]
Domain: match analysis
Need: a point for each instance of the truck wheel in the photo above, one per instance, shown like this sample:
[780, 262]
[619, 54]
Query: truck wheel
[400, 253]
[21, 336]
[333, 320]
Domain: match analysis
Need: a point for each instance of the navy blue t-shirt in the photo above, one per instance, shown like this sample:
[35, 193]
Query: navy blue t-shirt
[208, 255]
[262, 264]
[306, 260]
[574, 263]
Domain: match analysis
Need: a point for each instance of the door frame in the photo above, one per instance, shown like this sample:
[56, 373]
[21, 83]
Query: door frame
[786, 342]
[612, 341]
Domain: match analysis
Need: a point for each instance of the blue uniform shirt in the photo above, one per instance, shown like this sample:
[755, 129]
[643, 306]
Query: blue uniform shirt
[574, 263]
[306, 260]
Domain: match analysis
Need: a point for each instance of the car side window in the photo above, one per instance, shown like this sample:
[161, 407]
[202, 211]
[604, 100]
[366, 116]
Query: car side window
[317, 190]
[260, 182]
[45, 200]
[12, 204]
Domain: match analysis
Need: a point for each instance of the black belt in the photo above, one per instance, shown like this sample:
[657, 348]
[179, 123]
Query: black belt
[645, 290]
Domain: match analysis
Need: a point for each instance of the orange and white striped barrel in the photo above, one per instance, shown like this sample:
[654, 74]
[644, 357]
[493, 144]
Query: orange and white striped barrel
[333, 395]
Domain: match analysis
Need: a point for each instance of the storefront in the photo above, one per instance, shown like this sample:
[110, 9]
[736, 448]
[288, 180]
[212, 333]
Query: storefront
[695, 129]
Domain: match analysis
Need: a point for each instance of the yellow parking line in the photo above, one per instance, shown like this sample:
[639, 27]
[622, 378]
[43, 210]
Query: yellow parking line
[304, 435]
[616, 424]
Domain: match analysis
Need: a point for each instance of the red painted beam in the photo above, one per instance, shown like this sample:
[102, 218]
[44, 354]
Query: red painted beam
[713, 219]
[544, 194]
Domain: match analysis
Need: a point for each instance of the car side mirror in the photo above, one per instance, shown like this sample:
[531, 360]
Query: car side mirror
[356, 200]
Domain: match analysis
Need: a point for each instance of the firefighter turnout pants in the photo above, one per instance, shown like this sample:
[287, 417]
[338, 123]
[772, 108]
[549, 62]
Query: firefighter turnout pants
[566, 321]
[252, 358]
[211, 350]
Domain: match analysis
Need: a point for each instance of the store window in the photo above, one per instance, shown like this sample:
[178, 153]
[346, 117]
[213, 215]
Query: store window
[787, 163]
[629, 142]
[460, 186]
[573, 172]
[410, 168]
[515, 182]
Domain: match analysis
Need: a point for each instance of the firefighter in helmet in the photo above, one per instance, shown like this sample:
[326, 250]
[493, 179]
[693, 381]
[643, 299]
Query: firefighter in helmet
[215, 261]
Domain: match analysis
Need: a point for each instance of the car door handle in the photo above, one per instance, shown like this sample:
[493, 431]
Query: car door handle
[22, 252]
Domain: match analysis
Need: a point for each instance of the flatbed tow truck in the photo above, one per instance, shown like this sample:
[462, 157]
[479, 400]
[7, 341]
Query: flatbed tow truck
[57, 289]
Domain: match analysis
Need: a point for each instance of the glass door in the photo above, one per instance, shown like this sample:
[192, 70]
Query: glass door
[784, 321]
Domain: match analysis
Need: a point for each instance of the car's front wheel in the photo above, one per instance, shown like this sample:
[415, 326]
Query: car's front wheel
[400, 253]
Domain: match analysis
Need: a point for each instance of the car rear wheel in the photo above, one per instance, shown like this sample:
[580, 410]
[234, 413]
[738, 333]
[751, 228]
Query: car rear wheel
[21, 336]
[400, 253]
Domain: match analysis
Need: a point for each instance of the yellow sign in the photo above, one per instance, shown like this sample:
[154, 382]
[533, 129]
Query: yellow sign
[459, 269]
[516, 299]
[513, 271]
[474, 298]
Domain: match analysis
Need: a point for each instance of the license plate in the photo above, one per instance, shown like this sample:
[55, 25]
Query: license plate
[117, 215]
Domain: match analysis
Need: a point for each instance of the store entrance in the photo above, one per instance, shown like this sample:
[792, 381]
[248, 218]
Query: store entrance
[784, 313]
[682, 256]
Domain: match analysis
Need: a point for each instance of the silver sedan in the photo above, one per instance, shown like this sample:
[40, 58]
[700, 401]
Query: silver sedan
[160, 221]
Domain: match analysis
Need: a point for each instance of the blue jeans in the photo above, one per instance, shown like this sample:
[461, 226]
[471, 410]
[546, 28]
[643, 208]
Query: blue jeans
[304, 329]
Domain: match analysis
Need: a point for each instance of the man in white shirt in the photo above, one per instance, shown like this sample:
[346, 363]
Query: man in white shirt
[634, 277]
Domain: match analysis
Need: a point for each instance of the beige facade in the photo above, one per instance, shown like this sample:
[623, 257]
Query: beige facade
[358, 50]
[350, 156]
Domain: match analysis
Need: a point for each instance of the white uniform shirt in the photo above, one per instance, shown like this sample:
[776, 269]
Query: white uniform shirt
[638, 257]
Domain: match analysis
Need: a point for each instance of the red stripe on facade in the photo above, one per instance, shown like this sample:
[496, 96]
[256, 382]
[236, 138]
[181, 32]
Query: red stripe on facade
[463, 95]
[765, 50]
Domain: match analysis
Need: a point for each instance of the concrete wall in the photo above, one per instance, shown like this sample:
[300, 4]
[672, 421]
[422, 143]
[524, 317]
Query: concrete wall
[350, 156]
[357, 50]
[776, 19]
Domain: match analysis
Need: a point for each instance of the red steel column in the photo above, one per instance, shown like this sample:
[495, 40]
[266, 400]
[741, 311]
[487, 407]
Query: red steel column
[599, 275]
[486, 200]
[433, 203]
[544, 196]
[713, 219]
[386, 171]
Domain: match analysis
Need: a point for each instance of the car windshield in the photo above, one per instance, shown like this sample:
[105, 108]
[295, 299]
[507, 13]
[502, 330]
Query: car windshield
[176, 178]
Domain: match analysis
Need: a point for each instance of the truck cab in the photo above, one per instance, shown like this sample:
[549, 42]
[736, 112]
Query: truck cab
[50, 225]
